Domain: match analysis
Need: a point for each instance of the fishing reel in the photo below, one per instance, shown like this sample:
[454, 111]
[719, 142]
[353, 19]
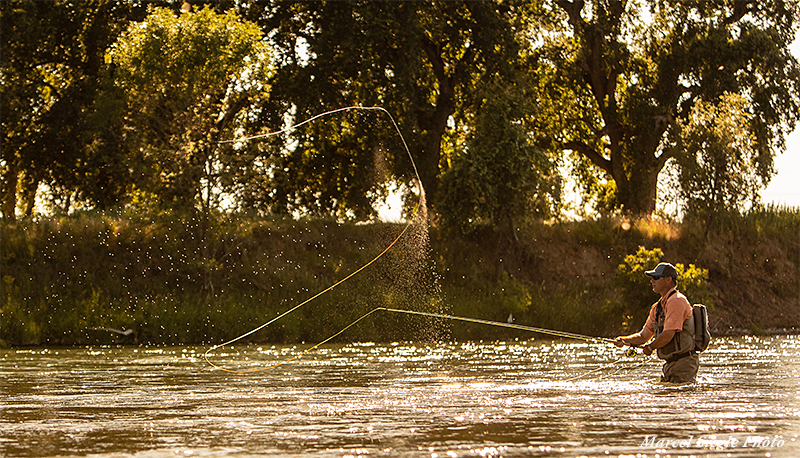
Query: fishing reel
[630, 352]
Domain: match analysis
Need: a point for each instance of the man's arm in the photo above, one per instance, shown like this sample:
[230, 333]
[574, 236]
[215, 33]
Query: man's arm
[642, 337]
[659, 342]
[635, 339]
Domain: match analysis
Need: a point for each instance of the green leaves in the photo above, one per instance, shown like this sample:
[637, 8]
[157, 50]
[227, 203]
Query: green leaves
[191, 80]
[501, 177]
[608, 81]
[190, 54]
[719, 165]
[635, 80]
[53, 82]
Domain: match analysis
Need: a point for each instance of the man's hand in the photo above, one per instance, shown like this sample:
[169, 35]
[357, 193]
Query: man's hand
[647, 350]
[619, 342]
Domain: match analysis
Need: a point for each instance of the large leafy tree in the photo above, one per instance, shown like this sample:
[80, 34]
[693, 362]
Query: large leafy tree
[423, 61]
[192, 80]
[55, 110]
[501, 176]
[719, 170]
[623, 75]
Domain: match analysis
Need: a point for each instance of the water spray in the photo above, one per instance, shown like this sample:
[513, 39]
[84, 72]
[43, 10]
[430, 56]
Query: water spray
[416, 211]
[630, 352]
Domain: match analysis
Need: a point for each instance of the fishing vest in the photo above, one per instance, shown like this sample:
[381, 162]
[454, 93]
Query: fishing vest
[682, 342]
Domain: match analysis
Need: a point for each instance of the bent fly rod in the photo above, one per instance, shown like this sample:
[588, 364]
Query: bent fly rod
[551, 332]
[631, 352]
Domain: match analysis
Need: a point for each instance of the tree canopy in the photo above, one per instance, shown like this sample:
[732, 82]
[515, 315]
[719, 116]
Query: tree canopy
[425, 62]
[57, 129]
[191, 80]
[130, 104]
[627, 74]
[720, 165]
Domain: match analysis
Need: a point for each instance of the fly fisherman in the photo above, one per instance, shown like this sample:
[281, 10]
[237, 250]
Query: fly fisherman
[672, 325]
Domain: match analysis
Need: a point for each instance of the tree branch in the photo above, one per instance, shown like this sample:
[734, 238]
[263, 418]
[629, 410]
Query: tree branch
[740, 9]
[596, 158]
[573, 10]
[434, 56]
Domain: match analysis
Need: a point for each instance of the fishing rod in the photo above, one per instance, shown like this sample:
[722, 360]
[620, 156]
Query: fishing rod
[630, 352]
[551, 332]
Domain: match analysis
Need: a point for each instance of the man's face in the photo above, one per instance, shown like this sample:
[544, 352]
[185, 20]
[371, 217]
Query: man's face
[660, 284]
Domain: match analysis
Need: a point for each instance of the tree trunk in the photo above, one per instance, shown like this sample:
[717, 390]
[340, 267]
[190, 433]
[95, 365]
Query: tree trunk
[444, 108]
[429, 160]
[29, 198]
[8, 193]
[630, 155]
[636, 191]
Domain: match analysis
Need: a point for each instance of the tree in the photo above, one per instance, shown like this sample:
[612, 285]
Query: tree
[191, 80]
[719, 170]
[501, 176]
[622, 78]
[53, 98]
[424, 62]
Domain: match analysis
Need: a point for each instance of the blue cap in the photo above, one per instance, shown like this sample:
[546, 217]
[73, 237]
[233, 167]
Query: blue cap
[664, 269]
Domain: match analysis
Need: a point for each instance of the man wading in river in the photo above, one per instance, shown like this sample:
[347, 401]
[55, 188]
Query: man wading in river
[672, 324]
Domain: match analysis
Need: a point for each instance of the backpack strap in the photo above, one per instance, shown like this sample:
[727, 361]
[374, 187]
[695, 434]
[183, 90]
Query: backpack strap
[660, 316]
[673, 344]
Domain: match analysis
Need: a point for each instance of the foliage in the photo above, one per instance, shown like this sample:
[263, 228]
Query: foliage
[59, 128]
[182, 107]
[598, 193]
[770, 221]
[500, 178]
[153, 277]
[733, 226]
[720, 168]
[635, 285]
[514, 295]
[336, 166]
[618, 85]
[425, 62]
[62, 277]
[480, 90]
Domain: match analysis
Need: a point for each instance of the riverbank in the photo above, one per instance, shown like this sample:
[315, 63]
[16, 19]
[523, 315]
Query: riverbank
[572, 271]
[77, 280]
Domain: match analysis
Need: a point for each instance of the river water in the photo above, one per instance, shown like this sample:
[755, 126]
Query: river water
[488, 399]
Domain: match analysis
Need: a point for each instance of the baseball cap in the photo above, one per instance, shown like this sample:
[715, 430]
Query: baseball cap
[664, 269]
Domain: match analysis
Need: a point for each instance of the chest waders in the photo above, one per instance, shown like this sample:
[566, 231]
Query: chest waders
[682, 343]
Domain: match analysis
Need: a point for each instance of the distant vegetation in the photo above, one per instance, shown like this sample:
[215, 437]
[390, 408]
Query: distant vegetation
[186, 171]
[64, 278]
[112, 105]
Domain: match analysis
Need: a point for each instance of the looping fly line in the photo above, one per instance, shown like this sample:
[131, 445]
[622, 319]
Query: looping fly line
[549, 332]
[402, 233]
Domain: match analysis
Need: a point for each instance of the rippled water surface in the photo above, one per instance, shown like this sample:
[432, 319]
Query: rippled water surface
[526, 398]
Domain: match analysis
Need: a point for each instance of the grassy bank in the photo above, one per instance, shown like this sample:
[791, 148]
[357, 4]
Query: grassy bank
[574, 278]
[172, 281]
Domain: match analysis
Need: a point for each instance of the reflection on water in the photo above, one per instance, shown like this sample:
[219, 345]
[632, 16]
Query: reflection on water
[526, 398]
